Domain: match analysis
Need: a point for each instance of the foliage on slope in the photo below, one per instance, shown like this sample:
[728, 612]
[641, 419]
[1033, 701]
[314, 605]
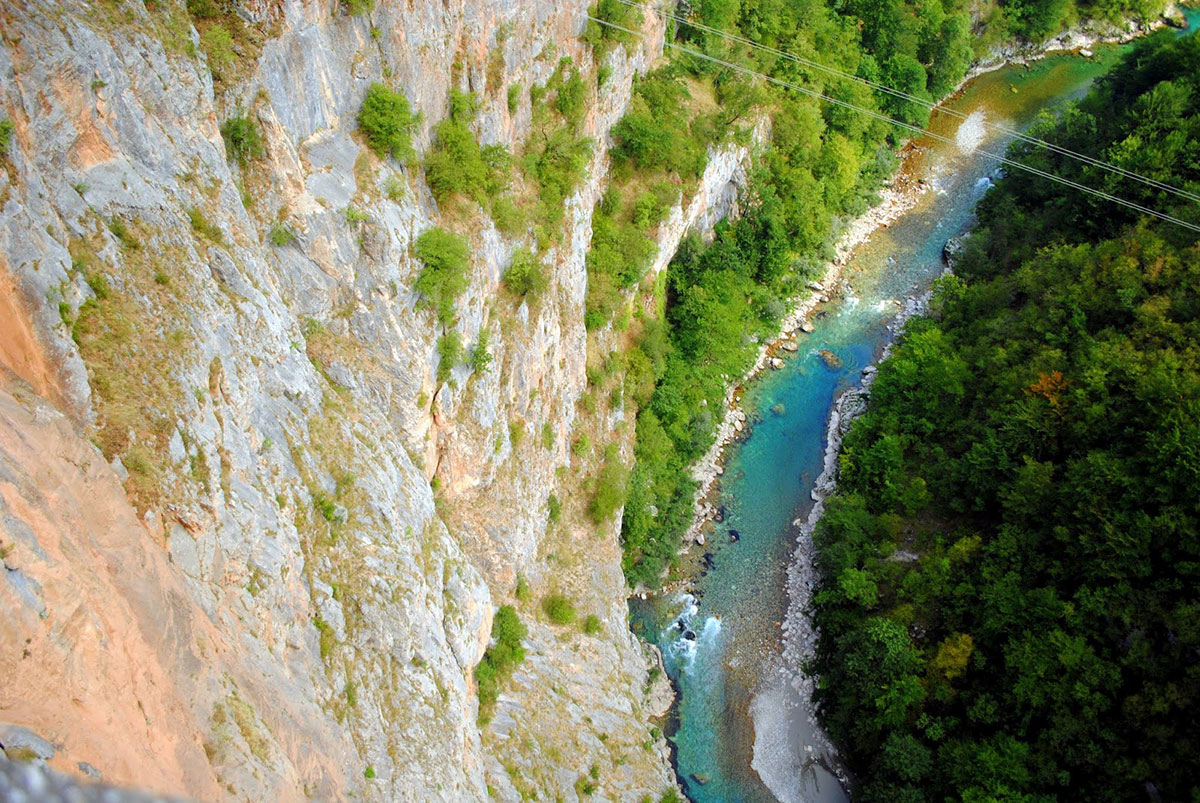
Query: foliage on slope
[1008, 601]
[822, 167]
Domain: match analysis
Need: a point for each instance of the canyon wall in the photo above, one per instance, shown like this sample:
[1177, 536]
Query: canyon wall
[252, 546]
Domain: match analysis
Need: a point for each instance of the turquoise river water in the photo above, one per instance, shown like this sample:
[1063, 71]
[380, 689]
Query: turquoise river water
[743, 728]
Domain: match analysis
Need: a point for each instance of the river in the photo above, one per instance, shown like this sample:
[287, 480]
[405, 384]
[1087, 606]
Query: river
[742, 727]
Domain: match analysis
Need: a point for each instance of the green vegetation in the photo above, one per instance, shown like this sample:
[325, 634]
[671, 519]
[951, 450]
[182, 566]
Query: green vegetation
[1010, 573]
[124, 236]
[217, 42]
[6, 135]
[653, 141]
[603, 38]
[559, 609]
[202, 225]
[205, 9]
[243, 141]
[822, 167]
[612, 486]
[450, 353]
[481, 354]
[387, 121]
[556, 156]
[326, 637]
[591, 625]
[525, 277]
[354, 215]
[457, 165]
[358, 8]
[280, 235]
[444, 276]
[501, 658]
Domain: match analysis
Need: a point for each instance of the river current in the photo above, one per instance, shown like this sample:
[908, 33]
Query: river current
[743, 727]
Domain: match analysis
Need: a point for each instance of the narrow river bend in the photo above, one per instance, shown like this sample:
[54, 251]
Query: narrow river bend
[743, 728]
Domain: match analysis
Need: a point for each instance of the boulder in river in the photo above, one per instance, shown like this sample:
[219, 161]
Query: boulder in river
[953, 248]
[832, 361]
[789, 345]
[778, 409]
[735, 536]
[776, 363]
[807, 327]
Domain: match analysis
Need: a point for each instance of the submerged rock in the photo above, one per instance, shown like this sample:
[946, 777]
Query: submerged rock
[831, 360]
[778, 409]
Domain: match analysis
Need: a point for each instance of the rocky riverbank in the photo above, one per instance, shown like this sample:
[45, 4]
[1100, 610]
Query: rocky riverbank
[1081, 39]
[895, 200]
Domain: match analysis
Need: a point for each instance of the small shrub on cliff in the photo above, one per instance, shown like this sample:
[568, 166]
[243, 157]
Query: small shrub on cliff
[218, 44]
[611, 488]
[6, 135]
[481, 354]
[358, 7]
[281, 235]
[458, 164]
[387, 120]
[559, 609]
[557, 163]
[242, 139]
[444, 276]
[569, 100]
[123, 234]
[525, 276]
[591, 625]
[202, 225]
[450, 354]
[623, 18]
[500, 659]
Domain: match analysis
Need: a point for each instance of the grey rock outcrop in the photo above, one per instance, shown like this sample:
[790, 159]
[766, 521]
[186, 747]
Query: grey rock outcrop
[305, 609]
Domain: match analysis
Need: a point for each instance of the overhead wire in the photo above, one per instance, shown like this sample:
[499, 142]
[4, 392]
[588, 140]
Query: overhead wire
[907, 126]
[924, 102]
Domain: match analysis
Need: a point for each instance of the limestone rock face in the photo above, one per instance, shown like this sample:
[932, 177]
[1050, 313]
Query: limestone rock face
[281, 582]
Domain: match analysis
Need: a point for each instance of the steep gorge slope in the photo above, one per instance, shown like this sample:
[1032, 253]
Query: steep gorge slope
[252, 545]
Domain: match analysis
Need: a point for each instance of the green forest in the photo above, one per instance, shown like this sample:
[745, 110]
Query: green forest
[1009, 597]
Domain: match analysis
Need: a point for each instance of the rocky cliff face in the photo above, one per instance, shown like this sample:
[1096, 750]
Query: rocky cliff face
[252, 546]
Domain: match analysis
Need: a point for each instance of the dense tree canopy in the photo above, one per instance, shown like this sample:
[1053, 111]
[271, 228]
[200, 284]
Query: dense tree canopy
[1010, 574]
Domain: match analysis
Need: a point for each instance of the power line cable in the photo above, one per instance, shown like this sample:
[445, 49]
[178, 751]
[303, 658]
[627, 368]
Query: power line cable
[913, 128]
[931, 105]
